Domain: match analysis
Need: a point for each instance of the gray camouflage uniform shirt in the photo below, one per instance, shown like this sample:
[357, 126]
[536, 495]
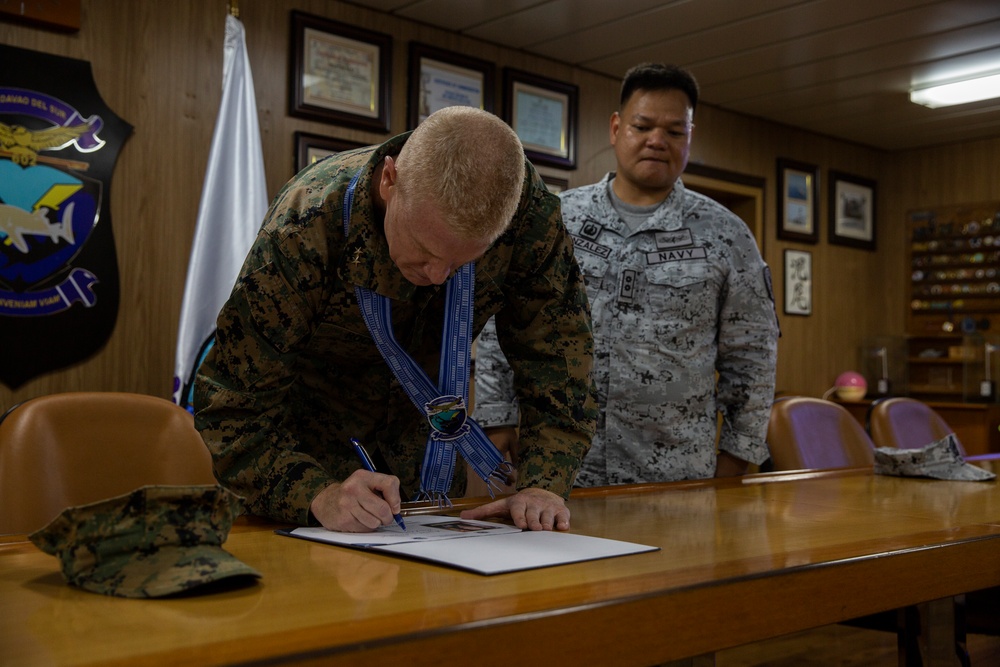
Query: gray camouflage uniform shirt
[294, 372]
[684, 296]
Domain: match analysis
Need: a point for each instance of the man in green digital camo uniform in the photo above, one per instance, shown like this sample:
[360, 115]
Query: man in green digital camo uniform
[294, 373]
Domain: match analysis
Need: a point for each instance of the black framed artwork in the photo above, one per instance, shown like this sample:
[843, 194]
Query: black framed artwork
[852, 211]
[798, 282]
[798, 201]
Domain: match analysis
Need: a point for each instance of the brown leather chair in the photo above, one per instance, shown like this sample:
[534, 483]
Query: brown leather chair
[905, 423]
[812, 433]
[75, 448]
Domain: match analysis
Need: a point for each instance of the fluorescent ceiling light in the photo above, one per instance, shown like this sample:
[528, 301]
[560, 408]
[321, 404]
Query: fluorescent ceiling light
[958, 92]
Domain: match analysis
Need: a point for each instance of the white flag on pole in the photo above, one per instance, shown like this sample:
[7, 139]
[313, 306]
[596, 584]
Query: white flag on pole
[233, 204]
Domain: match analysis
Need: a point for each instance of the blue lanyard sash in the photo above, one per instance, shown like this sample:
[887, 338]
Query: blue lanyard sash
[444, 405]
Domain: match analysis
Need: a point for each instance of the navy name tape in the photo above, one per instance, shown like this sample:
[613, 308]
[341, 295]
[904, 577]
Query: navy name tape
[682, 255]
[589, 246]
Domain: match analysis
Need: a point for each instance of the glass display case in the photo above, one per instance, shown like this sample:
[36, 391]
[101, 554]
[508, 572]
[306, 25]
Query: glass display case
[883, 362]
[981, 368]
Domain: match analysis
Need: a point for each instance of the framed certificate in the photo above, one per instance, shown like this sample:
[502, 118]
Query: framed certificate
[310, 148]
[440, 79]
[340, 73]
[543, 112]
[555, 184]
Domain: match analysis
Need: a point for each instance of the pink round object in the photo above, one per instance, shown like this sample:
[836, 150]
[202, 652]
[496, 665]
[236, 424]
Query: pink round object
[851, 386]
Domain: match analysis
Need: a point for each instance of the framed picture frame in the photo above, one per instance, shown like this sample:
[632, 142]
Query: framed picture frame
[798, 282]
[310, 148]
[852, 211]
[798, 201]
[543, 113]
[339, 73]
[555, 184]
[440, 79]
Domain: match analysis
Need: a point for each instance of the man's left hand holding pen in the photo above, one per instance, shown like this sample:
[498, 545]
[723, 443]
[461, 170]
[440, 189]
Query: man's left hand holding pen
[360, 504]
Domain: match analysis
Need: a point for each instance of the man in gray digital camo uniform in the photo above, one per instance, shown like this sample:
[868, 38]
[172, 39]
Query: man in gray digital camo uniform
[678, 293]
[294, 373]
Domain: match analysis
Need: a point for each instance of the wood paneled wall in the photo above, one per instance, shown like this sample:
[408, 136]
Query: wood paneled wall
[159, 65]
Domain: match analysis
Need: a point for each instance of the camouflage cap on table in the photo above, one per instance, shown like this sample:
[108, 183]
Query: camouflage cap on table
[151, 542]
[941, 460]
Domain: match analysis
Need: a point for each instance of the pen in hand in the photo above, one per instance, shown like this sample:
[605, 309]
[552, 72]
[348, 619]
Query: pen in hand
[366, 461]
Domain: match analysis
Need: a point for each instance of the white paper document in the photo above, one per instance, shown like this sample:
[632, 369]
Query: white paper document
[477, 546]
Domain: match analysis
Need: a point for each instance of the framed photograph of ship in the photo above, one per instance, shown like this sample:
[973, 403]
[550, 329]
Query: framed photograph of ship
[798, 201]
[852, 211]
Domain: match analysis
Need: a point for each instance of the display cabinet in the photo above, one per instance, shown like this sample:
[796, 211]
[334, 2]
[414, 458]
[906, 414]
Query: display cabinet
[954, 261]
[950, 355]
[980, 367]
[936, 368]
[953, 368]
[953, 319]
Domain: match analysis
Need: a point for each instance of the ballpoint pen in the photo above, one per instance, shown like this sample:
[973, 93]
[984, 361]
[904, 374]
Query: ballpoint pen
[366, 461]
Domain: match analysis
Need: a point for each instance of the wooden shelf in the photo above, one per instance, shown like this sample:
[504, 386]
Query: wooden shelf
[954, 251]
[952, 390]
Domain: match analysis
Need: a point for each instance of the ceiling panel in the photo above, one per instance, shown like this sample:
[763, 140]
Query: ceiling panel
[658, 29]
[545, 21]
[459, 15]
[887, 68]
[838, 67]
[829, 61]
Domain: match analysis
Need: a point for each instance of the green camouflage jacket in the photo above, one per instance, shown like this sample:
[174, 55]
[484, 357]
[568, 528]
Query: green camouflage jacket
[294, 373]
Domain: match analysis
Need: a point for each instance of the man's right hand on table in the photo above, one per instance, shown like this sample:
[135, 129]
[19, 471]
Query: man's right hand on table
[360, 504]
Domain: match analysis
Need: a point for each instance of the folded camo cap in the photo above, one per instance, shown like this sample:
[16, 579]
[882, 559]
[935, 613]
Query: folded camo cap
[151, 542]
[941, 460]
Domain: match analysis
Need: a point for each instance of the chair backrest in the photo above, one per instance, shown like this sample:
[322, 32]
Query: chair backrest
[75, 448]
[813, 433]
[906, 423]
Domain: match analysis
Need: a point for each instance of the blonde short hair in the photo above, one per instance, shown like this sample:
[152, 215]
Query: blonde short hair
[470, 164]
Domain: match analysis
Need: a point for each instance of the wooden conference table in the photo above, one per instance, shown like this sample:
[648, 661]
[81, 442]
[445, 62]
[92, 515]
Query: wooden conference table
[741, 560]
